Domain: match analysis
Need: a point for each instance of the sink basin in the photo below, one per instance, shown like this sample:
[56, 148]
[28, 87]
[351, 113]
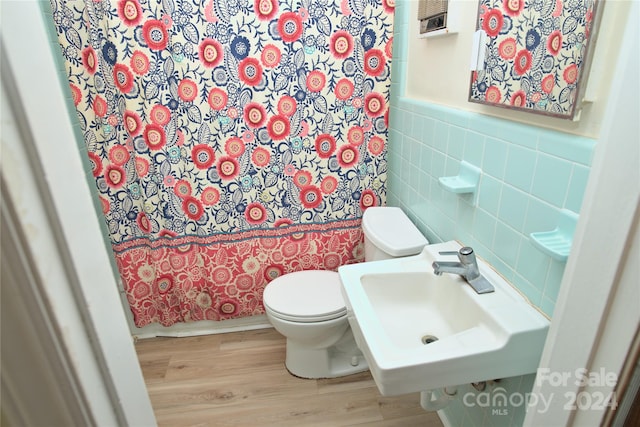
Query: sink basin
[419, 331]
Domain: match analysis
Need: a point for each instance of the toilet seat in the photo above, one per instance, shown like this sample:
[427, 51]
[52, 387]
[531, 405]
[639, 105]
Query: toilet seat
[305, 296]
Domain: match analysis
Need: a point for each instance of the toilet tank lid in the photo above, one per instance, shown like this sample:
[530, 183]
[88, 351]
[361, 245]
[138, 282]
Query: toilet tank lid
[392, 231]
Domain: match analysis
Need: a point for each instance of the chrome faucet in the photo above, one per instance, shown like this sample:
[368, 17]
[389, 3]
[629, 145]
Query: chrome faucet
[467, 268]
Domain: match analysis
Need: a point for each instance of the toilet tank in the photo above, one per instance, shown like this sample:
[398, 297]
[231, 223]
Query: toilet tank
[389, 233]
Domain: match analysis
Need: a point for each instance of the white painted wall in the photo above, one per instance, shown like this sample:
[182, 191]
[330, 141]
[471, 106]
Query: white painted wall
[43, 170]
[597, 313]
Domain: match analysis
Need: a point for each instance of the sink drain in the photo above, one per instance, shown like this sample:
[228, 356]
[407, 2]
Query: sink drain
[428, 339]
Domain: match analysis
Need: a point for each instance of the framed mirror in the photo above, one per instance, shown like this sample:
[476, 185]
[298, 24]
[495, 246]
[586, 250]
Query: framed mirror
[531, 55]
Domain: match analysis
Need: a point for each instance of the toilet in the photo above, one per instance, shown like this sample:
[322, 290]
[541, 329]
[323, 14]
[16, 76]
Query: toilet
[308, 309]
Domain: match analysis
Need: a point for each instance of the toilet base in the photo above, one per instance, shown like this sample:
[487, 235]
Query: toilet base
[344, 358]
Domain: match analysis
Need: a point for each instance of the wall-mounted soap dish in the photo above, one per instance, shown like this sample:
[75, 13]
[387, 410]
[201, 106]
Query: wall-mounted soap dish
[557, 242]
[465, 182]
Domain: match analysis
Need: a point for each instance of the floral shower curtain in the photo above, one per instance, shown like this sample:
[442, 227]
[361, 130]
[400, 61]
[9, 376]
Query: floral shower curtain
[231, 141]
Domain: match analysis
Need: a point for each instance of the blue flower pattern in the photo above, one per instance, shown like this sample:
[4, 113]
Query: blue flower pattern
[201, 120]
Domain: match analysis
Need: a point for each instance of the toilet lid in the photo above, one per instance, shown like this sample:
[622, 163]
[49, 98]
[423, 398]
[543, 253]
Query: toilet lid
[306, 296]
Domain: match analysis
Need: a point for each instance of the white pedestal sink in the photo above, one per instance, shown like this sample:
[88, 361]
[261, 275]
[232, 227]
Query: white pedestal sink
[419, 331]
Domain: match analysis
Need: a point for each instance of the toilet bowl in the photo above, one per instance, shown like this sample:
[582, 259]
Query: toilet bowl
[307, 307]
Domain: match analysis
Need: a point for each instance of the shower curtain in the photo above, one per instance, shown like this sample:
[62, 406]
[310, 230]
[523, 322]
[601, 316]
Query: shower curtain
[230, 141]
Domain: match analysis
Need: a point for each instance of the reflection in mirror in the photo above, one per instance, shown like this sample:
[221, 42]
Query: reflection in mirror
[532, 55]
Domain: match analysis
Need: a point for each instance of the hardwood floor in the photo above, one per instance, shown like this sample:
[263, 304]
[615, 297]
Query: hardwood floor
[239, 379]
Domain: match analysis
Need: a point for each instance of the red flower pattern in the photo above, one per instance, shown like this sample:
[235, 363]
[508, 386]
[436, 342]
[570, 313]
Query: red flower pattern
[203, 156]
[210, 53]
[218, 99]
[266, 10]
[374, 62]
[192, 208]
[160, 115]
[100, 106]
[513, 7]
[234, 147]
[325, 145]
[139, 63]
[493, 95]
[214, 121]
[492, 22]
[570, 74]
[302, 179]
[344, 89]
[187, 90]
[250, 71]
[260, 157]
[311, 197]
[119, 155]
[287, 106]
[89, 60]
[143, 222]
[270, 56]
[554, 42]
[316, 81]
[278, 128]
[255, 115]
[347, 156]
[508, 48]
[255, 213]
[376, 145]
[341, 44]
[76, 94]
[130, 12]
[374, 104]
[548, 83]
[368, 199]
[154, 136]
[210, 196]
[155, 34]
[96, 162]
[518, 99]
[290, 27]
[228, 168]
[132, 123]
[115, 176]
[522, 62]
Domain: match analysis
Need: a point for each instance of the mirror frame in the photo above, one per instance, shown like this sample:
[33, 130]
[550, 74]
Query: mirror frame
[536, 54]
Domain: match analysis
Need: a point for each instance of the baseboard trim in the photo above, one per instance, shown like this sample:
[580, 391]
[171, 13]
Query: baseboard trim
[203, 327]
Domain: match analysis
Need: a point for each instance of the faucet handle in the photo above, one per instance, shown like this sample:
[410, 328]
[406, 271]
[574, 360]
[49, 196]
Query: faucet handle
[465, 252]
[466, 255]
[448, 253]
[468, 258]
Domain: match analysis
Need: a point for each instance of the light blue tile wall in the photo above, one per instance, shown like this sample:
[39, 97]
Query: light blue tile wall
[528, 175]
[525, 182]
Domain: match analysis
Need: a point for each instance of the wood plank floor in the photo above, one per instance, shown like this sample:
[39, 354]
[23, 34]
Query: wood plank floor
[239, 379]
